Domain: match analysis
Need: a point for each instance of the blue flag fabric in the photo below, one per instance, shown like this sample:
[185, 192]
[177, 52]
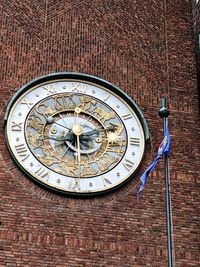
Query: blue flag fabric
[163, 148]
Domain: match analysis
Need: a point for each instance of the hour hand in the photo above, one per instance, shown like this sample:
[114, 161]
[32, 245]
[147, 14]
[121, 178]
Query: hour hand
[50, 120]
[67, 137]
[95, 131]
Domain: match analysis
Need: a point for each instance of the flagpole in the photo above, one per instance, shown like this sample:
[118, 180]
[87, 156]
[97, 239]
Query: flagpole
[164, 113]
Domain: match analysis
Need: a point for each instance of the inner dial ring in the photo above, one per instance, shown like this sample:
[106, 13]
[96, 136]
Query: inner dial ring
[76, 135]
[64, 141]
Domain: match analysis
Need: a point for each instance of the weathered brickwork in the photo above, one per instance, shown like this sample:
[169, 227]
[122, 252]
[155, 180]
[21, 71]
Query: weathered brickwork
[148, 49]
[196, 19]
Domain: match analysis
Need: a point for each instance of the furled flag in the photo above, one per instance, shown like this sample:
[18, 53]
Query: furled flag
[163, 148]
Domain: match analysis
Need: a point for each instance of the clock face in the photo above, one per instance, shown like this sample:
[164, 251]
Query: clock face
[75, 135]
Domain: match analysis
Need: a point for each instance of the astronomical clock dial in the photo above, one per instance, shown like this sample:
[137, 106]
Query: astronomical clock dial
[75, 133]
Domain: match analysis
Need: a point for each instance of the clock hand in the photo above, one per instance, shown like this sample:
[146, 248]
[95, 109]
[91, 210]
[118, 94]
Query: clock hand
[95, 131]
[79, 156]
[57, 139]
[67, 137]
[61, 116]
[78, 130]
[51, 120]
[65, 151]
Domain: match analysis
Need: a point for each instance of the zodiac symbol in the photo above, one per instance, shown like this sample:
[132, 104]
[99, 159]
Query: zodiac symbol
[34, 140]
[87, 171]
[48, 111]
[47, 160]
[71, 103]
[85, 103]
[35, 123]
[59, 105]
[106, 161]
[105, 116]
[69, 170]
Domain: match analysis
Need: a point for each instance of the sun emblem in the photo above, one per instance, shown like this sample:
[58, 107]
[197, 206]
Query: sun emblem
[113, 137]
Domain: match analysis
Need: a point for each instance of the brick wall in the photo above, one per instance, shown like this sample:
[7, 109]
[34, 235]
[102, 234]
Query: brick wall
[196, 24]
[146, 48]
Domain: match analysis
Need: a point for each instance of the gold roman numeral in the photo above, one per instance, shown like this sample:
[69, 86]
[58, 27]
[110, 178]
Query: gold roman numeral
[22, 151]
[26, 102]
[16, 126]
[42, 172]
[134, 141]
[50, 89]
[106, 181]
[127, 116]
[79, 87]
[75, 185]
[128, 164]
[106, 98]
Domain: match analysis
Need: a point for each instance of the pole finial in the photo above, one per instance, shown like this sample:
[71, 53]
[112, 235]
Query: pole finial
[164, 112]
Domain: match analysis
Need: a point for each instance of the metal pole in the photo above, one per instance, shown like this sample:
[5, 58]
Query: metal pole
[164, 113]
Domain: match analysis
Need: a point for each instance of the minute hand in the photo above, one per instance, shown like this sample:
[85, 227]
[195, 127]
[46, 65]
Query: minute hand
[67, 137]
[97, 131]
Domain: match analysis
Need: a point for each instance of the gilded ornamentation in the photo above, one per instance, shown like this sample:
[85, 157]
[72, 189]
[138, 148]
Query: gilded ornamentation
[35, 123]
[34, 140]
[106, 161]
[47, 160]
[68, 170]
[105, 116]
[86, 102]
[88, 171]
[59, 103]
[47, 110]
[74, 135]
[71, 103]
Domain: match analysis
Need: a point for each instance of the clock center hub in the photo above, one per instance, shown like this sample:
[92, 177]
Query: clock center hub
[77, 129]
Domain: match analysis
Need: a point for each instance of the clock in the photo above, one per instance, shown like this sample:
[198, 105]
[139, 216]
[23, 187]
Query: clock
[75, 133]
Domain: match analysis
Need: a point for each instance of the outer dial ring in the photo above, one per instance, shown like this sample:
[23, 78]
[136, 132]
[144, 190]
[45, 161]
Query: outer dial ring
[52, 85]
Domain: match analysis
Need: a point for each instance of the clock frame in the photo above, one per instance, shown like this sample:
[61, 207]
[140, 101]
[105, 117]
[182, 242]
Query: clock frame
[124, 118]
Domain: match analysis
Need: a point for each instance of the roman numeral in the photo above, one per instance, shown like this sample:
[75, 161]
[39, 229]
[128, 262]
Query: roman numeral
[106, 98]
[134, 141]
[22, 151]
[79, 87]
[75, 184]
[127, 116]
[106, 181]
[16, 126]
[59, 103]
[42, 172]
[50, 89]
[26, 102]
[128, 164]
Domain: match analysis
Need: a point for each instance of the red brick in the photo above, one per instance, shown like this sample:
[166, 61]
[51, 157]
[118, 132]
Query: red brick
[148, 49]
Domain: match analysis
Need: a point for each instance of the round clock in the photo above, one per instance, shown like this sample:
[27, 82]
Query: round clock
[75, 133]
